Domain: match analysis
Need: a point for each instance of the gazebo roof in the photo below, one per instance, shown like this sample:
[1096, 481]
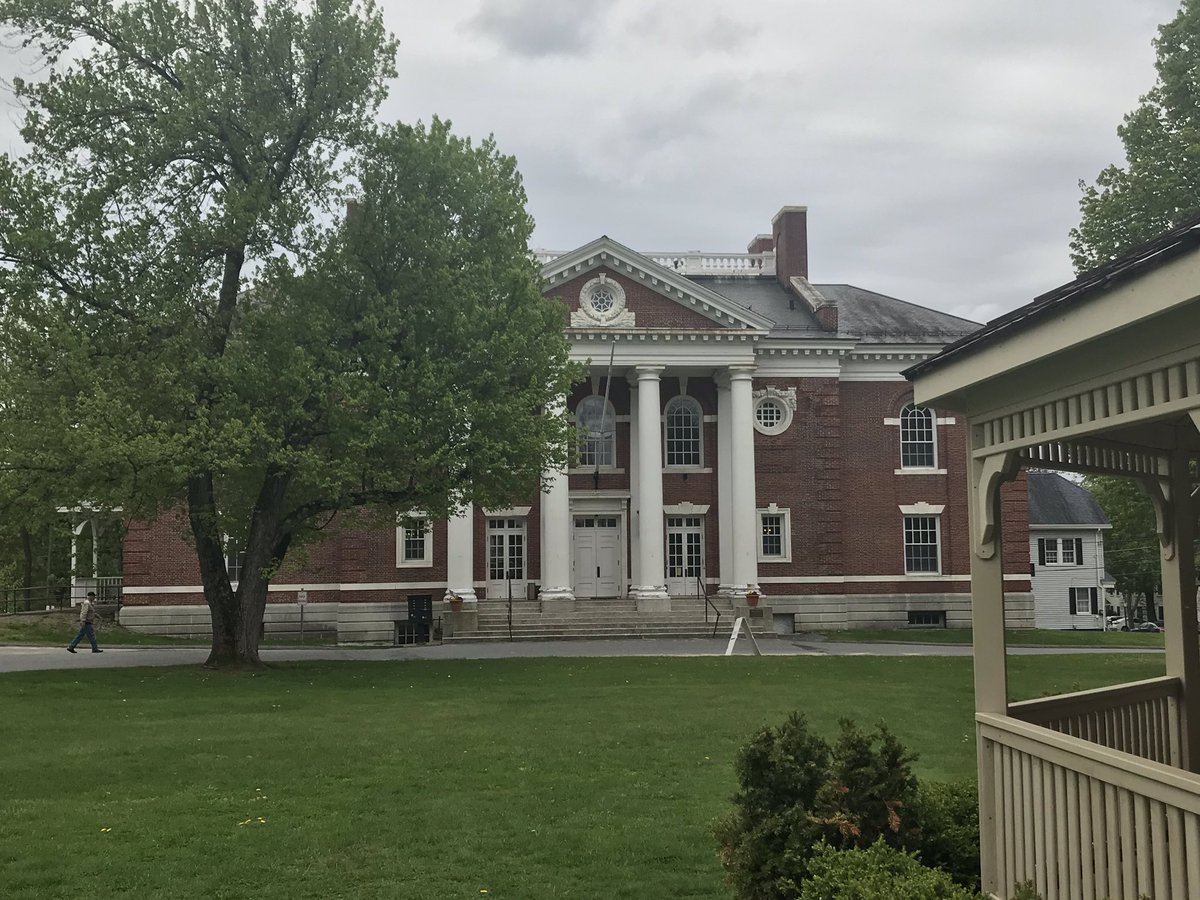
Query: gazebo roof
[1151, 254]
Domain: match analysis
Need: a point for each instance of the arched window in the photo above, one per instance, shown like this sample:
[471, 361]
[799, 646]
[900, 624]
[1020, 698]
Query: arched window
[918, 446]
[683, 417]
[597, 425]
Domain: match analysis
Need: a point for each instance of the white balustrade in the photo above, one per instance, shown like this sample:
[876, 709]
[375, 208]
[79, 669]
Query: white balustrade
[695, 262]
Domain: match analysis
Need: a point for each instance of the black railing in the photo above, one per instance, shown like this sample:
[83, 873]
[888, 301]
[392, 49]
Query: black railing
[31, 599]
[702, 591]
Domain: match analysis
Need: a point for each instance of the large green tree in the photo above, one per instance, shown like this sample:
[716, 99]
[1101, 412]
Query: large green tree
[189, 322]
[1159, 185]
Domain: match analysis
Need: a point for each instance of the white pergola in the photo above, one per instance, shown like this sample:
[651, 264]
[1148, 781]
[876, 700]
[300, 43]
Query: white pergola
[1093, 794]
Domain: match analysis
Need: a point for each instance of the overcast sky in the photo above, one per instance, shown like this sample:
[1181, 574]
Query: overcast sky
[937, 143]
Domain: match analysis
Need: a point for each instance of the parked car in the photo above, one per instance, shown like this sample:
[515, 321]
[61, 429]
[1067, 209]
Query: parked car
[1116, 623]
[1148, 626]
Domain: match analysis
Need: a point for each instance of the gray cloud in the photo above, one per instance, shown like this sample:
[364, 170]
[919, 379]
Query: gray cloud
[538, 28]
[937, 144]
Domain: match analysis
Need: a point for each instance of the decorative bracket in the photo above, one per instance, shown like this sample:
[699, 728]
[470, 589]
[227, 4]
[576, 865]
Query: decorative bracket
[1159, 493]
[990, 473]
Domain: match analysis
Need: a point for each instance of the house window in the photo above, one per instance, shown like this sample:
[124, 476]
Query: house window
[597, 423]
[1085, 601]
[927, 618]
[918, 447]
[1060, 552]
[414, 543]
[774, 534]
[682, 419]
[235, 560]
[922, 545]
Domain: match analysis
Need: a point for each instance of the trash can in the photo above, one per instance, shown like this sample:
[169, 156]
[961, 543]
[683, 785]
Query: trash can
[420, 617]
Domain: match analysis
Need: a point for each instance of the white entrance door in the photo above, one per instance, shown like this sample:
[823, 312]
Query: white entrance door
[597, 544]
[506, 558]
[685, 554]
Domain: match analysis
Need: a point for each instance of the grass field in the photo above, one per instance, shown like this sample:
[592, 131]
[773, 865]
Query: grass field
[522, 778]
[53, 628]
[1015, 638]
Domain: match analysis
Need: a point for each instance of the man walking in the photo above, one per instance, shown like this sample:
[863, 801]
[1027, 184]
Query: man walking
[87, 620]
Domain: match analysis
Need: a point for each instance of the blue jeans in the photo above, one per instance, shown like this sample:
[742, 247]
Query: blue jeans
[85, 630]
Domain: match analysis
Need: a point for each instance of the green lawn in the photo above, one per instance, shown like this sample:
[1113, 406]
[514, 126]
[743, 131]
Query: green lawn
[59, 627]
[1015, 637]
[523, 778]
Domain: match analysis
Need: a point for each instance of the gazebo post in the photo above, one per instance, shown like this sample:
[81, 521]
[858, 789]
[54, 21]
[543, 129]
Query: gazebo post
[1179, 600]
[988, 638]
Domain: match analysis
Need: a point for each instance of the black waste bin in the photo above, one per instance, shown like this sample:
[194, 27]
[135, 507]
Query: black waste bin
[419, 626]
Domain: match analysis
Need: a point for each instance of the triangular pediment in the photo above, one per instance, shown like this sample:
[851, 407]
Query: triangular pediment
[605, 258]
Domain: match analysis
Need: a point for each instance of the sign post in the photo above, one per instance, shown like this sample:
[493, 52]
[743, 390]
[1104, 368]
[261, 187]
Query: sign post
[301, 600]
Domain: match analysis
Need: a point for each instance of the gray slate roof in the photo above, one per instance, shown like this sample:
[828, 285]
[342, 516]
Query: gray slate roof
[1053, 500]
[862, 315]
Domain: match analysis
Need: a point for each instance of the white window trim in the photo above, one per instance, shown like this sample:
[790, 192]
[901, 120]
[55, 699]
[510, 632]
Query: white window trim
[928, 510]
[786, 535]
[427, 560]
[1087, 594]
[785, 398]
[1058, 563]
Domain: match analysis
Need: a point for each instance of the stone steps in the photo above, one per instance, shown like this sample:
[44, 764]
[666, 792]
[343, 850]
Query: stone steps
[608, 619]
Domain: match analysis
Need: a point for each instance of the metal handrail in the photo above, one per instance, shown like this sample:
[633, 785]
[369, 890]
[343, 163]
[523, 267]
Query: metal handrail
[708, 604]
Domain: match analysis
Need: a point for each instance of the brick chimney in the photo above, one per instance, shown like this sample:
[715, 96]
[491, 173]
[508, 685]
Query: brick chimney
[790, 227]
[761, 243]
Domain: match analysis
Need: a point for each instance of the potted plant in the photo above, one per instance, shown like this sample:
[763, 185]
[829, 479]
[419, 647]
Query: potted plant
[456, 602]
[752, 598]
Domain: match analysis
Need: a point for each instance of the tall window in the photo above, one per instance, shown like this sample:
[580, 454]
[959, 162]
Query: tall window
[922, 549]
[917, 445]
[506, 549]
[414, 543]
[683, 418]
[774, 534]
[597, 423]
[1085, 601]
[234, 561]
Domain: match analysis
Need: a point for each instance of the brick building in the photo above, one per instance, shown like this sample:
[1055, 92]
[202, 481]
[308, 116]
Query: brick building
[742, 429]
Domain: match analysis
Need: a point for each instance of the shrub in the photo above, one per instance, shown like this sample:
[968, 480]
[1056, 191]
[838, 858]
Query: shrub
[948, 816]
[878, 872]
[796, 791]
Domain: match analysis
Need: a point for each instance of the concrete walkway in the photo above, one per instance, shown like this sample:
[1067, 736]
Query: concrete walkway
[26, 659]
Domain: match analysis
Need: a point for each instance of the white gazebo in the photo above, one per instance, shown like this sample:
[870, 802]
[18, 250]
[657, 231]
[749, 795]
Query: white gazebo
[1093, 794]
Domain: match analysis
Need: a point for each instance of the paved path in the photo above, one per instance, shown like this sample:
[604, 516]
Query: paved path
[24, 659]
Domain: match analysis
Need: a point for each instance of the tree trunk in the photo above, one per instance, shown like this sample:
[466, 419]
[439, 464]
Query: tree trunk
[237, 616]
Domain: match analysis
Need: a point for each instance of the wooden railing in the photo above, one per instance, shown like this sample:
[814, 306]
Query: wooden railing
[1141, 718]
[1082, 820]
[696, 262]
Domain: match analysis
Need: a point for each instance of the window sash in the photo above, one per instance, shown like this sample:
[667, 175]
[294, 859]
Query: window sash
[921, 545]
[917, 448]
[683, 422]
[772, 534]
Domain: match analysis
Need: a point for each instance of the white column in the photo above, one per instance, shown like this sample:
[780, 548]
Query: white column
[651, 588]
[635, 532]
[460, 555]
[745, 518]
[556, 535]
[724, 484]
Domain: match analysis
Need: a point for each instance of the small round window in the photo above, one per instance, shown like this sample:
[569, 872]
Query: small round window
[603, 299]
[772, 415]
